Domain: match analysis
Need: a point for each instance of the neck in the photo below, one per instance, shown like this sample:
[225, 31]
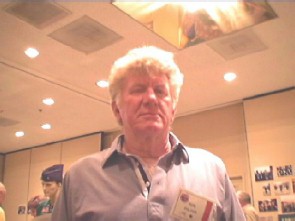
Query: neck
[53, 198]
[149, 150]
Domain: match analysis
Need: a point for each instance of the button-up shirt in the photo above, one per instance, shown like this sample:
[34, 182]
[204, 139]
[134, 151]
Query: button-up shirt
[112, 186]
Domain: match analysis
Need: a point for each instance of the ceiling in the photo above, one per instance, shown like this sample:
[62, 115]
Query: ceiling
[68, 67]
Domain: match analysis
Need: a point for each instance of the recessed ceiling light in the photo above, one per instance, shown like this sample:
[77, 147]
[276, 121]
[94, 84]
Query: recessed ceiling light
[19, 133]
[102, 83]
[48, 101]
[32, 52]
[46, 126]
[230, 76]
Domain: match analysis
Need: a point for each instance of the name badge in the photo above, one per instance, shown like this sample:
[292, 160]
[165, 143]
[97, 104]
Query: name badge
[190, 206]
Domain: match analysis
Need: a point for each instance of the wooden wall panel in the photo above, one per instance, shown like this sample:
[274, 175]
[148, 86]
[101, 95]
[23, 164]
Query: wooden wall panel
[23, 169]
[41, 158]
[74, 149]
[270, 123]
[16, 177]
[222, 132]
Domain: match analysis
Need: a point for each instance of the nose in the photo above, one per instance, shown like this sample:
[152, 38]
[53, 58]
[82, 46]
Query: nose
[151, 93]
[150, 97]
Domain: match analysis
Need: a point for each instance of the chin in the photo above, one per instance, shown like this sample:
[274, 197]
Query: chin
[152, 129]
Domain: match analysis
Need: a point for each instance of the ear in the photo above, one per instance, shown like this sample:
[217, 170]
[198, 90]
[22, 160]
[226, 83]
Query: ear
[116, 112]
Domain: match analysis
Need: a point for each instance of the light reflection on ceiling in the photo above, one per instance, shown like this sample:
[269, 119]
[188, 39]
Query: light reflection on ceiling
[189, 23]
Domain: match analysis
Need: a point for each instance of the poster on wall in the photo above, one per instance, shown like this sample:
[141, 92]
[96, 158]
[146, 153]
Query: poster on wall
[264, 173]
[282, 188]
[286, 170]
[288, 204]
[266, 191]
[268, 205]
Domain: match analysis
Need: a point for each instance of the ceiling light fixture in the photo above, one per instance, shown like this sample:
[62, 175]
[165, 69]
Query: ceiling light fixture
[102, 83]
[48, 101]
[19, 134]
[230, 76]
[32, 52]
[46, 126]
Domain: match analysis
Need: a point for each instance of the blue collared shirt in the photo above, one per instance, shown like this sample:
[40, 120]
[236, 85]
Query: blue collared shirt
[112, 185]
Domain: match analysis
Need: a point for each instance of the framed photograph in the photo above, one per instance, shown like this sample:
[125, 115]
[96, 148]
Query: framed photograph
[266, 191]
[286, 170]
[286, 217]
[269, 205]
[264, 173]
[288, 204]
[282, 188]
[21, 210]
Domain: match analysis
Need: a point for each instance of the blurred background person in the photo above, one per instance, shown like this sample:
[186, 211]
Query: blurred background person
[249, 210]
[51, 179]
[2, 198]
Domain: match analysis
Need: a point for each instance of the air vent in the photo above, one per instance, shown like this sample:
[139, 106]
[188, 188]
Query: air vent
[6, 122]
[238, 44]
[37, 13]
[85, 35]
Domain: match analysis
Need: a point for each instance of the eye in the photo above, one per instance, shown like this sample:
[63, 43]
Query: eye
[137, 89]
[162, 91]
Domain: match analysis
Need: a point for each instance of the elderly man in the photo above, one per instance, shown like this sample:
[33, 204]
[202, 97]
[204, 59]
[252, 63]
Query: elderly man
[248, 209]
[147, 174]
[2, 198]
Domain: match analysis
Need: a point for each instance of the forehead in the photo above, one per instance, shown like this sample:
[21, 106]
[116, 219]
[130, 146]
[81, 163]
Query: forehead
[48, 183]
[155, 79]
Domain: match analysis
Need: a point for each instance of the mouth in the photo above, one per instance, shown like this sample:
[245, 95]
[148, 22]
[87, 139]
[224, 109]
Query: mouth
[150, 115]
[151, 118]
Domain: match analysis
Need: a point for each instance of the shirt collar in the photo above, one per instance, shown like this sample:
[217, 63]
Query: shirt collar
[178, 150]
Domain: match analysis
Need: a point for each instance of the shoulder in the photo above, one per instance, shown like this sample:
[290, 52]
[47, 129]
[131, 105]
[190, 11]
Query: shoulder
[1, 211]
[197, 155]
[90, 162]
[2, 214]
[203, 155]
[249, 209]
[98, 158]
[201, 158]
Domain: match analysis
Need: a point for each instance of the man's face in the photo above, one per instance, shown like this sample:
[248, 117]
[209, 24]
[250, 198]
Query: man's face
[145, 105]
[50, 188]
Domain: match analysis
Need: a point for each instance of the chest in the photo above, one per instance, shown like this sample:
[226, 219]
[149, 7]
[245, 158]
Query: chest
[117, 193]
